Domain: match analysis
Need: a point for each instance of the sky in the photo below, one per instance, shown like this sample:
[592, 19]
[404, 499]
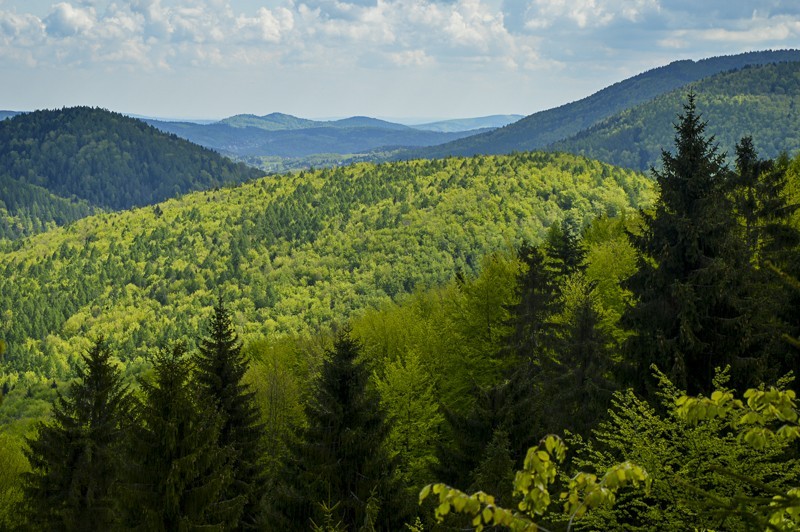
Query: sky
[400, 59]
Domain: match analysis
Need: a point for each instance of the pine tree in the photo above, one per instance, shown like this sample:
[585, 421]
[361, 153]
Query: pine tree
[75, 459]
[689, 315]
[220, 369]
[341, 458]
[178, 474]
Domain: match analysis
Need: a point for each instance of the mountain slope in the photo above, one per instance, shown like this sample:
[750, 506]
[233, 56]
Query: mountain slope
[26, 209]
[107, 159]
[546, 127]
[760, 101]
[289, 252]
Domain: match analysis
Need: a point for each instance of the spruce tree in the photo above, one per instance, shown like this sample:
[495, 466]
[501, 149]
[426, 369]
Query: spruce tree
[341, 458]
[578, 383]
[76, 458]
[220, 369]
[689, 314]
[178, 475]
[564, 249]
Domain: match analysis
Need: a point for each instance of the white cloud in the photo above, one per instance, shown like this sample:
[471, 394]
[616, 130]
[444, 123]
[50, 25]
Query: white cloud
[65, 20]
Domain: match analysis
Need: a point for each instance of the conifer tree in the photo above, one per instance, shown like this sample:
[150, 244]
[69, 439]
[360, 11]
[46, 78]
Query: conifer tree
[689, 315]
[578, 382]
[220, 369]
[76, 458]
[564, 248]
[341, 459]
[178, 474]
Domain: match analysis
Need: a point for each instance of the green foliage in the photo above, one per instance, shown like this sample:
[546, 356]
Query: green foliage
[292, 253]
[26, 209]
[697, 470]
[178, 476]
[690, 312]
[544, 128]
[412, 410]
[13, 466]
[105, 158]
[76, 458]
[768, 418]
[341, 458]
[532, 485]
[220, 367]
[757, 100]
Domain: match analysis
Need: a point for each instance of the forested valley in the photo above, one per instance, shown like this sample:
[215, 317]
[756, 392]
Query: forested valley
[530, 340]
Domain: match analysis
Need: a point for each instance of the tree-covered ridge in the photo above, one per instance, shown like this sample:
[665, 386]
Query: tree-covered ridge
[546, 127]
[27, 209]
[108, 159]
[762, 100]
[291, 252]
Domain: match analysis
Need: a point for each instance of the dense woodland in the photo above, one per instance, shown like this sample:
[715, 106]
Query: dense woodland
[97, 157]
[312, 351]
[762, 100]
[544, 128]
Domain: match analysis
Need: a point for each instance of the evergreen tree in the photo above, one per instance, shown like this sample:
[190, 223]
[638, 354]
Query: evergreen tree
[178, 474]
[341, 459]
[220, 369]
[564, 248]
[75, 458]
[578, 382]
[533, 330]
[689, 315]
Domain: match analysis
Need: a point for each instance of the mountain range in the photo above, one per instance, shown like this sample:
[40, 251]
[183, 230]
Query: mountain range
[544, 128]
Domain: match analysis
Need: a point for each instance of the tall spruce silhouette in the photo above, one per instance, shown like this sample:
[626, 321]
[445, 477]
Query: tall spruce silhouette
[690, 315]
[340, 461]
[178, 474]
[220, 369]
[76, 458]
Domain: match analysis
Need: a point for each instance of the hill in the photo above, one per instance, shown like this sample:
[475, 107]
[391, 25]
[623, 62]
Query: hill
[7, 114]
[252, 137]
[290, 252]
[467, 124]
[546, 127]
[107, 159]
[26, 209]
[760, 101]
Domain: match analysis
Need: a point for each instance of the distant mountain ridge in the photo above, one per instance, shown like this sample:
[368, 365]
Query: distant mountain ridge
[762, 101]
[467, 124]
[546, 127]
[288, 136]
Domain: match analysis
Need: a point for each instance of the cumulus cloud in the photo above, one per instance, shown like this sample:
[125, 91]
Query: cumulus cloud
[506, 34]
[66, 20]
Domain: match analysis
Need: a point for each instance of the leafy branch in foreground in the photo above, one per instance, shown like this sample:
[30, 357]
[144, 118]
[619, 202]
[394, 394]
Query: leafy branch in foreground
[766, 416]
[531, 484]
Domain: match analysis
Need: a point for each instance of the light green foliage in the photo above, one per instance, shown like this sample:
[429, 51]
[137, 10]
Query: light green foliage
[532, 484]
[697, 470]
[12, 465]
[408, 397]
[292, 252]
[767, 417]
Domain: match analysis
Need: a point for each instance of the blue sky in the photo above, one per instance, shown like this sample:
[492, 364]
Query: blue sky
[333, 58]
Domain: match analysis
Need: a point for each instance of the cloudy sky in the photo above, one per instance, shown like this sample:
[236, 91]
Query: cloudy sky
[333, 58]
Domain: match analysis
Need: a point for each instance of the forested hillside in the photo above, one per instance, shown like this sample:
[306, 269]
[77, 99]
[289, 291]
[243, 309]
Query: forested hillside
[292, 253]
[763, 100]
[27, 209]
[546, 127]
[108, 160]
